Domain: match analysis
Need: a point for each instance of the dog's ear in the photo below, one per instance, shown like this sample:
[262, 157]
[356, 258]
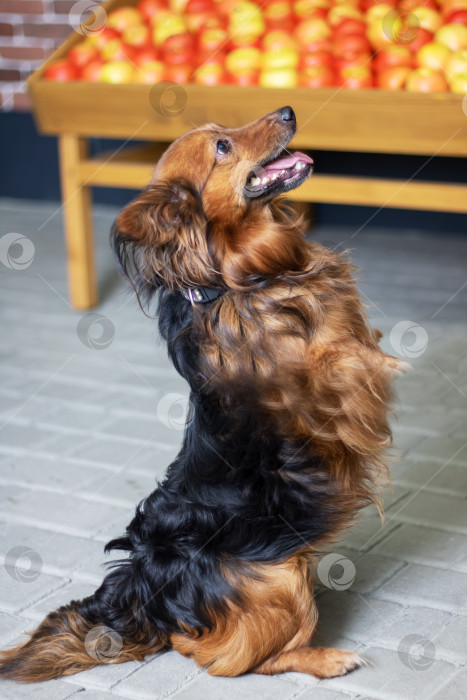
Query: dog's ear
[160, 239]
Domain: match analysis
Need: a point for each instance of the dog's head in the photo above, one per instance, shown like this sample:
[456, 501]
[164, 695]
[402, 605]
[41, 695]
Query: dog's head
[207, 218]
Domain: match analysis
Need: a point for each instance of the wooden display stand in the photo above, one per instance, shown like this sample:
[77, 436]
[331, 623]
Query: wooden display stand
[328, 119]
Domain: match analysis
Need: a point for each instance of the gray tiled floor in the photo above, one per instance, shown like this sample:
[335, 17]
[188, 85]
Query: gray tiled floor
[84, 434]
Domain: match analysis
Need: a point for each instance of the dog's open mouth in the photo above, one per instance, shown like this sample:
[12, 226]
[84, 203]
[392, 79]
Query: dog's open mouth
[281, 174]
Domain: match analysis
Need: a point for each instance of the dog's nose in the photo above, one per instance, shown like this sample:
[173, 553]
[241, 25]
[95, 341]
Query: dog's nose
[287, 114]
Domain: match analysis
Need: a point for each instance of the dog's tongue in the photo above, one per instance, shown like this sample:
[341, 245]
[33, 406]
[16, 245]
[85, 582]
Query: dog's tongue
[288, 161]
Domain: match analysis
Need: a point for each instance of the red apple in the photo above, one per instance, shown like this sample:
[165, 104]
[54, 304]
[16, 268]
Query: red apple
[340, 12]
[457, 17]
[61, 71]
[278, 13]
[426, 80]
[150, 74]
[450, 6]
[244, 79]
[433, 55]
[366, 5]
[116, 50]
[124, 17]
[350, 26]
[393, 78]
[454, 36]
[351, 44]
[422, 37]
[101, 40]
[148, 8]
[410, 5]
[81, 54]
[91, 72]
[310, 30]
[166, 26]
[316, 58]
[146, 54]
[355, 78]
[278, 39]
[316, 77]
[279, 59]
[306, 8]
[353, 62]
[179, 74]
[393, 56]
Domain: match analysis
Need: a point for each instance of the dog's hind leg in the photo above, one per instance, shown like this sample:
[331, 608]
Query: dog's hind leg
[321, 662]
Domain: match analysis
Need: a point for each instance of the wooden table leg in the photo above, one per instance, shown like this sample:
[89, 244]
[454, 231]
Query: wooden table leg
[79, 236]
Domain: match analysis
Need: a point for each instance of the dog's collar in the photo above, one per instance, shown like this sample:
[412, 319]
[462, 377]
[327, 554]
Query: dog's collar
[202, 295]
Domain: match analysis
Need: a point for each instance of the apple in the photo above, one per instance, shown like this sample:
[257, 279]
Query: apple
[433, 55]
[210, 74]
[116, 50]
[308, 31]
[61, 71]
[393, 78]
[150, 74]
[378, 35]
[450, 6]
[393, 56]
[410, 5]
[178, 43]
[355, 78]
[101, 40]
[124, 17]
[353, 62]
[137, 35]
[244, 79]
[422, 37]
[279, 59]
[429, 19]
[340, 12]
[350, 26]
[81, 54]
[426, 80]
[457, 17]
[278, 13]
[91, 72]
[376, 13]
[278, 39]
[180, 74]
[454, 36]
[212, 39]
[305, 8]
[244, 60]
[146, 54]
[197, 12]
[117, 72]
[246, 19]
[316, 77]
[351, 44]
[459, 84]
[456, 64]
[367, 5]
[167, 26]
[316, 58]
[148, 8]
[279, 78]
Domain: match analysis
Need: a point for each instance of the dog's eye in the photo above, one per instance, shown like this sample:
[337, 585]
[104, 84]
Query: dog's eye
[223, 147]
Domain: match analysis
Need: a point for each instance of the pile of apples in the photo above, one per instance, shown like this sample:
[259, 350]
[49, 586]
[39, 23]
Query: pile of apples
[416, 45]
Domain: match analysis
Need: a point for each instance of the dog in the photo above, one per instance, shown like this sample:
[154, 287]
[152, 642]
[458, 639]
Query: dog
[289, 433]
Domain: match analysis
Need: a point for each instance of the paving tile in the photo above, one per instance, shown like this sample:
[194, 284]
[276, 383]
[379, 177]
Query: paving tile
[455, 688]
[23, 585]
[423, 621]
[45, 473]
[103, 677]
[426, 586]
[14, 629]
[433, 476]
[433, 510]
[391, 678]
[424, 545]
[248, 687]
[451, 642]
[159, 678]
[52, 690]
[357, 617]
[444, 449]
[75, 590]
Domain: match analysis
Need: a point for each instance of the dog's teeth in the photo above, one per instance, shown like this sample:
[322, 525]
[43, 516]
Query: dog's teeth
[282, 172]
[255, 181]
[265, 181]
[275, 176]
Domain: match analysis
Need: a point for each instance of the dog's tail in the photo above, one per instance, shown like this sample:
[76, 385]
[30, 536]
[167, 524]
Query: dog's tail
[106, 628]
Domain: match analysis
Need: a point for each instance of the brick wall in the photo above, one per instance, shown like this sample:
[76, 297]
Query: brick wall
[29, 32]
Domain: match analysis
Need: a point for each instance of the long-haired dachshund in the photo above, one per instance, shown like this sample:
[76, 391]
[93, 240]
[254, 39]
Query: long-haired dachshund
[289, 432]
